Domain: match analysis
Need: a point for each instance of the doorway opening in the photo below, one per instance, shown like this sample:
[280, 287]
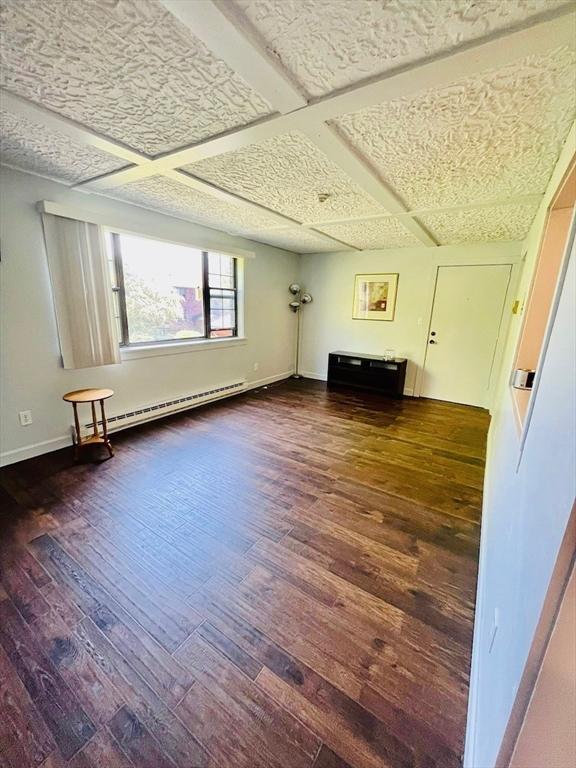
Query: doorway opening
[540, 302]
[466, 323]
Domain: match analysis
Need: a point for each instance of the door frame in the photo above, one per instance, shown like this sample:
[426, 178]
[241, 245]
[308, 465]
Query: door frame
[515, 263]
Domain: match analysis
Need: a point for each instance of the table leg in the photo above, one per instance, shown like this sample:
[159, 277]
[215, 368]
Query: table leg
[94, 419]
[107, 442]
[78, 441]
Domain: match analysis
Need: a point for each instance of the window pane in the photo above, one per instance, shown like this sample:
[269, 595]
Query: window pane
[220, 281]
[226, 265]
[229, 318]
[224, 332]
[216, 320]
[163, 284]
[214, 263]
[220, 271]
[227, 281]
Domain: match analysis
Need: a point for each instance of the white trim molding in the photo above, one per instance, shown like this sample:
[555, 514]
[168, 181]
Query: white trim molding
[92, 217]
[163, 349]
[65, 441]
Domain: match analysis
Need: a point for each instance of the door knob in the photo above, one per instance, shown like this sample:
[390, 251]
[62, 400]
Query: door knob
[432, 341]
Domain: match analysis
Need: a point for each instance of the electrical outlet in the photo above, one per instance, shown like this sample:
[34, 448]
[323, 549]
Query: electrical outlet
[25, 418]
[256, 366]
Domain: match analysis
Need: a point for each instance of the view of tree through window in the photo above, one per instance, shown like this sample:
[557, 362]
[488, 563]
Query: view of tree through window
[163, 289]
[169, 292]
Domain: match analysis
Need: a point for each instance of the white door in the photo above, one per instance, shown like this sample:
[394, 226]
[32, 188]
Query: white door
[466, 318]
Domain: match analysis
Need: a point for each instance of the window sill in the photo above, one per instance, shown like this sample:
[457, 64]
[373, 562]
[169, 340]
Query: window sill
[179, 348]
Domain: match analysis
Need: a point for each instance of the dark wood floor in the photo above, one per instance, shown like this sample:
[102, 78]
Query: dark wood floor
[285, 579]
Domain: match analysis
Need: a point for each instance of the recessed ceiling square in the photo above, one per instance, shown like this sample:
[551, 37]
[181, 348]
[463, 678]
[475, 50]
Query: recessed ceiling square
[125, 68]
[327, 45]
[299, 240]
[171, 197]
[506, 222]
[485, 138]
[32, 147]
[372, 233]
[290, 175]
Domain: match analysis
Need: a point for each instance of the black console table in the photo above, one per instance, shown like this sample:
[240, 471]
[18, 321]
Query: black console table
[373, 372]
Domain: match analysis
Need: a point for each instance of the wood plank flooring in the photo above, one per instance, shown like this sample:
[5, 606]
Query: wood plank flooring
[285, 579]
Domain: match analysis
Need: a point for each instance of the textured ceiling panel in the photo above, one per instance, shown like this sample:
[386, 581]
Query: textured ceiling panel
[297, 240]
[171, 197]
[32, 147]
[375, 233]
[126, 68]
[507, 222]
[329, 44]
[287, 173]
[480, 139]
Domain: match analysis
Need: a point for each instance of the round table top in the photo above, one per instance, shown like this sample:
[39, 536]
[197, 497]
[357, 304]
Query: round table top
[87, 395]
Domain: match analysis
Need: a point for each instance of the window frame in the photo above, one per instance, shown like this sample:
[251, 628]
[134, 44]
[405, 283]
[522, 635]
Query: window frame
[120, 289]
[207, 298]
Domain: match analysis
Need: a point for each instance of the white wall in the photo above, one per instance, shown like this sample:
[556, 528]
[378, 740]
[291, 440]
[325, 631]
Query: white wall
[527, 501]
[328, 323]
[31, 375]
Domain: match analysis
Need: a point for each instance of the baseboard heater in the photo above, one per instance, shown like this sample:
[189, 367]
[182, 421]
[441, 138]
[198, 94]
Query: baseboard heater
[157, 410]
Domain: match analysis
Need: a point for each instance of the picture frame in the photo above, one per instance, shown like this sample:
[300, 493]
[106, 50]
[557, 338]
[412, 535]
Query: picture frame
[375, 296]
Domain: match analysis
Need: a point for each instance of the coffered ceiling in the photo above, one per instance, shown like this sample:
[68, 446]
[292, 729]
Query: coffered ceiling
[312, 125]
[288, 173]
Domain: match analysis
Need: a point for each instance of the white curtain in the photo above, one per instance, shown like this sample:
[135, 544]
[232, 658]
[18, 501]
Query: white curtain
[82, 292]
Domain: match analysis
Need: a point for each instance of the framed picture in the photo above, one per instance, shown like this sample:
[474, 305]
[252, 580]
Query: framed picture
[375, 297]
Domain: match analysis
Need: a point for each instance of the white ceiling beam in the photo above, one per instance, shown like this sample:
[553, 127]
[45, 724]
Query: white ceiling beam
[217, 145]
[437, 72]
[233, 40]
[75, 131]
[514, 200]
[339, 151]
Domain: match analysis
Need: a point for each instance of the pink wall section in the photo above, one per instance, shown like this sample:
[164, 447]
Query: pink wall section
[544, 283]
[543, 288]
[548, 735]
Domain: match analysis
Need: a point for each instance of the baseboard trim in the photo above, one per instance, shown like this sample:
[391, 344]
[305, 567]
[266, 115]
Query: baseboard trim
[268, 380]
[35, 449]
[408, 392]
[64, 441]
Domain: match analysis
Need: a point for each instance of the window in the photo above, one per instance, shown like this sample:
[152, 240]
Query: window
[165, 292]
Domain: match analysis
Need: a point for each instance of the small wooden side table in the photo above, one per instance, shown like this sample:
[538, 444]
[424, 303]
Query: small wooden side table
[91, 396]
